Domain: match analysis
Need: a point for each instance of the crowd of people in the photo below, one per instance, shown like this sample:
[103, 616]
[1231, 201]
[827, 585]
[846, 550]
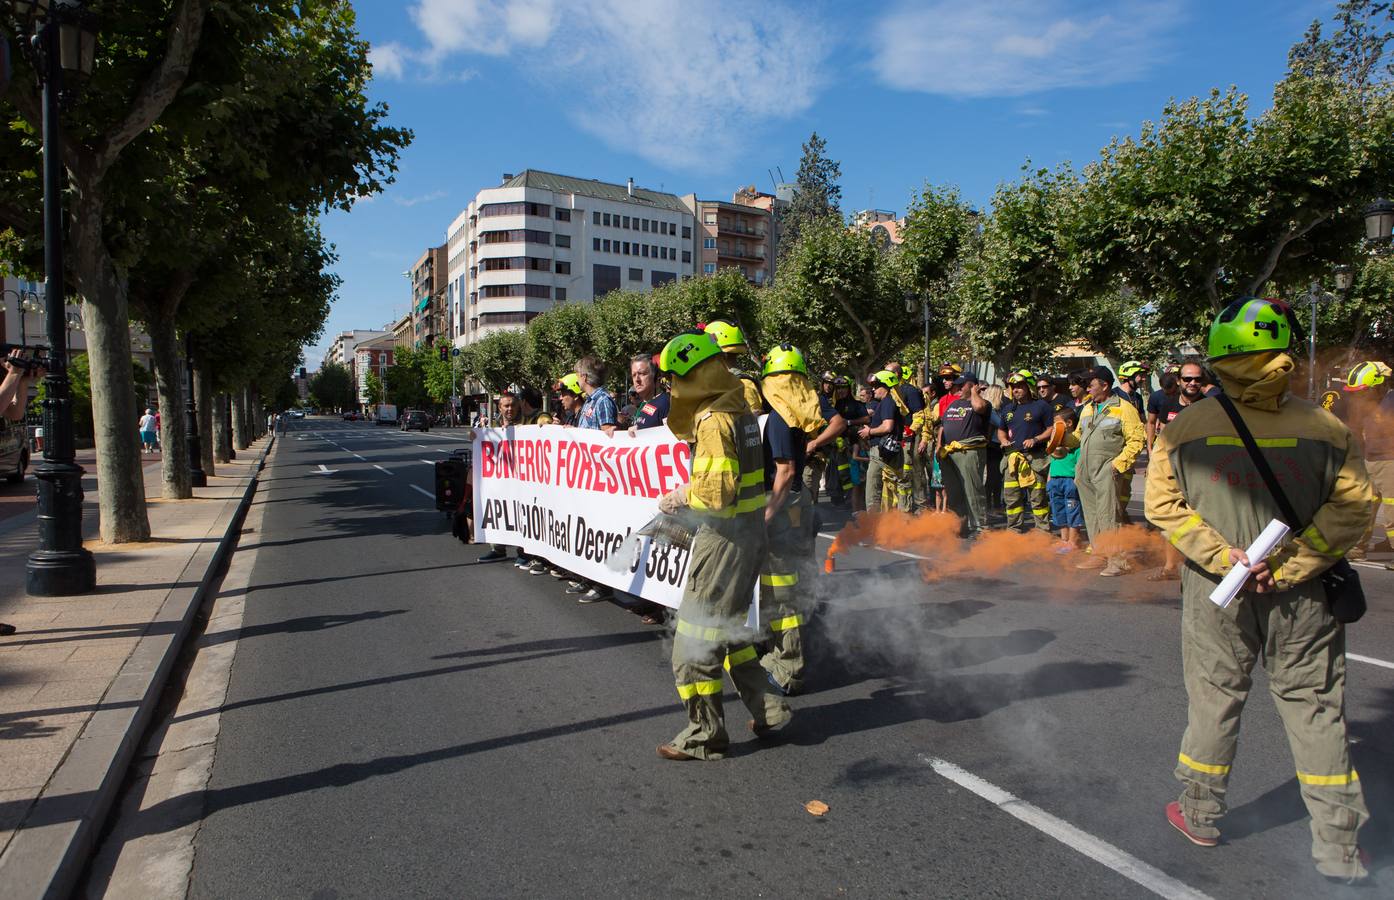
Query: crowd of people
[1051, 453]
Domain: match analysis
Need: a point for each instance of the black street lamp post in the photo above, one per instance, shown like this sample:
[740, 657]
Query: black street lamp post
[197, 478]
[1379, 226]
[61, 566]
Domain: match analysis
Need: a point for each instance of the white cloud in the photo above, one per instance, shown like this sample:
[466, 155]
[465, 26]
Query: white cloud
[1010, 48]
[409, 202]
[388, 60]
[683, 83]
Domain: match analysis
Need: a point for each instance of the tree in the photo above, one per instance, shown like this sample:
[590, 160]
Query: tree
[405, 380]
[372, 387]
[1020, 292]
[817, 194]
[332, 388]
[497, 358]
[1354, 50]
[114, 155]
[841, 298]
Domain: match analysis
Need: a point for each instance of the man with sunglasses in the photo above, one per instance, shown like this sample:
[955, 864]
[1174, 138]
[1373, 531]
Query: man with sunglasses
[1046, 391]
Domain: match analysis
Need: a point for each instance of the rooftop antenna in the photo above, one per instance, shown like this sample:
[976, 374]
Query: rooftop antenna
[781, 173]
[772, 181]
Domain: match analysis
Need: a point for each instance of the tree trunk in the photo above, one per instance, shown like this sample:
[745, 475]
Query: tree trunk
[106, 323]
[258, 416]
[203, 393]
[222, 432]
[174, 462]
[239, 420]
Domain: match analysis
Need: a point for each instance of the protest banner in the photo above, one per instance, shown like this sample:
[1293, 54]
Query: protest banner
[572, 496]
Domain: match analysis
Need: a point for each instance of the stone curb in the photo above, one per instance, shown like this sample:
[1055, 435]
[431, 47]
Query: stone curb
[50, 851]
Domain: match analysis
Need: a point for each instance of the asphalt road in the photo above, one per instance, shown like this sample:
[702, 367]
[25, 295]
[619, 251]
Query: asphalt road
[403, 722]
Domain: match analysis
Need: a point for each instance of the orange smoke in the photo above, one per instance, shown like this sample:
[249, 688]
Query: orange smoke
[935, 537]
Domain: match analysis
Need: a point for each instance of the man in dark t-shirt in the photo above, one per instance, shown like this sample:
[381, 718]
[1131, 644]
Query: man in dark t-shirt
[1025, 463]
[962, 437]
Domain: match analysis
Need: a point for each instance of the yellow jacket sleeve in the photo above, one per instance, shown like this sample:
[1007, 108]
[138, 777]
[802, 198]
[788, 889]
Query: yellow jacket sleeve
[1339, 523]
[1134, 438]
[1166, 508]
[715, 467]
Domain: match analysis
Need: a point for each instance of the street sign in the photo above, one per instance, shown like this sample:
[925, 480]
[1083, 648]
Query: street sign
[455, 351]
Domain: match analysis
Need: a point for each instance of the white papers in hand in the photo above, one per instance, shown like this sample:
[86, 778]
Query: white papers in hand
[1268, 541]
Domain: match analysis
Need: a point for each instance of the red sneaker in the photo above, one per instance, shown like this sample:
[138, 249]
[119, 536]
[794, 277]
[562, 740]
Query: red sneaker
[1178, 821]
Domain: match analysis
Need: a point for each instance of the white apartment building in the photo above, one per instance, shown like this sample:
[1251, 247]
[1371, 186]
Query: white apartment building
[541, 239]
[341, 351]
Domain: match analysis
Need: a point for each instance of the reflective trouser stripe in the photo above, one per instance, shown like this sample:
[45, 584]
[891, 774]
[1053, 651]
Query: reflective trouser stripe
[1389, 500]
[787, 623]
[700, 632]
[1041, 510]
[1183, 528]
[699, 689]
[1007, 484]
[743, 655]
[1223, 441]
[1328, 780]
[779, 580]
[714, 464]
[1015, 510]
[750, 478]
[1203, 767]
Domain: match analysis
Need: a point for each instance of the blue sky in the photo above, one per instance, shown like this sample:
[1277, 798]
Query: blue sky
[709, 95]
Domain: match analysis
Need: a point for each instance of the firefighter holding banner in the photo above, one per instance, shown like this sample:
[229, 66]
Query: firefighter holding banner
[726, 496]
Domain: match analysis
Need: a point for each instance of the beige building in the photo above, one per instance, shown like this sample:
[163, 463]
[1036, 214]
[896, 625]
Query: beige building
[882, 223]
[429, 314]
[737, 235]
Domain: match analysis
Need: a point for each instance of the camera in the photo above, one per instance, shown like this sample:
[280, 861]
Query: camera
[25, 364]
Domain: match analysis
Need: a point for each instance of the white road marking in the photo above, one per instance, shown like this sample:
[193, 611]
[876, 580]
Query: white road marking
[364, 458]
[1369, 659]
[429, 462]
[422, 490]
[1130, 867]
[441, 450]
[325, 470]
[380, 468]
[904, 553]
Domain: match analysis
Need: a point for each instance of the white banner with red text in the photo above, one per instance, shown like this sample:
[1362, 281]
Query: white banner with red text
[573, 495]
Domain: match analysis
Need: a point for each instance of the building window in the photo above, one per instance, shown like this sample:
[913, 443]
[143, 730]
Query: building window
[595, 217]
[643, 249]
[563, 267]
[516, 235]
[604, 279]
[687, 232]
[561, 295]
[626, 221]
[563, 240]
[708, 243]
[535, 263]
[516, 290]
[687, 256]
[657, 279]
[563, 215]
[709, 268]
[607, 219]
[515, 209]
[636, 274]
[607, 245]
[645, 224]
[625, 251]
[595, 244]
[709, 218]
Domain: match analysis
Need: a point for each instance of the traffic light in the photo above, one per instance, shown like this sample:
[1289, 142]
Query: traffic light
[444, 354]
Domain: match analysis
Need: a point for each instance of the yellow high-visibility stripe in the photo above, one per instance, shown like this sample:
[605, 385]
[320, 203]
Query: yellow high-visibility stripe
[1389, 500]
[787, 623]
[1183, 528]
[1328, 780]
[1044, 510]
[1318, 542]
[699, 688]
[1007, 484]
[750, 504]
[743, 655]
[1014, 510]
[845, 467]
[779, 580]
[696, 503]
[1223, 441]
[1202, 767]
[714, 464]
[700, 632]
[753, 478]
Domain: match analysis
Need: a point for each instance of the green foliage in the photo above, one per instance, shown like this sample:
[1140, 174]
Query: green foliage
[286, 396]
[405, 379]
[817, 194]
[80, 388]
[372, 388]
[498, 358]
[555, 340]
[1354, 50]
[332, 388]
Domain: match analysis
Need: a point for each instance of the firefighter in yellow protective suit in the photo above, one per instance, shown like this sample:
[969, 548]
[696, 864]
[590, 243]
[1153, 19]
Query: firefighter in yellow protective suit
[731, 340]
[786, 580]
[1110, 436]
[1369, 404]
[1206, 495]
[726, 495]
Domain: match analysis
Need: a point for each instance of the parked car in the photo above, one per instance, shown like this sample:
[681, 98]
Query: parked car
[351, 416]
[415, 419]
[14, 450]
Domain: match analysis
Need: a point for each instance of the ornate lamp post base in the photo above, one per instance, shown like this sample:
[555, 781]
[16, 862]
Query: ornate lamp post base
[60, 572]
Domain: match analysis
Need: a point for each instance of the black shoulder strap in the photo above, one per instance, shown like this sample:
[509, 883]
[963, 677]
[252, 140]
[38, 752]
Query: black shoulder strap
[1264, 470]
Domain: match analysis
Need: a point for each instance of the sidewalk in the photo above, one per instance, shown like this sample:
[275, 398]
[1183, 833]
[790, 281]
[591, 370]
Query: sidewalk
[80, 680]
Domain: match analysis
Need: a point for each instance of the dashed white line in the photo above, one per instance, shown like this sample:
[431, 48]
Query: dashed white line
[380, 468]
[429, 462]
[1370, 659]
[1102, 852]
[422, 490]
[364, 458]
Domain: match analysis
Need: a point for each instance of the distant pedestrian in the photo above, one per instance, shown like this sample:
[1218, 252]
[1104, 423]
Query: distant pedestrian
[149, 426]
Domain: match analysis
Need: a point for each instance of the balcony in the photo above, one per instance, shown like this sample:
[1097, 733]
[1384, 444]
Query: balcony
[753, 254]
[741, 229]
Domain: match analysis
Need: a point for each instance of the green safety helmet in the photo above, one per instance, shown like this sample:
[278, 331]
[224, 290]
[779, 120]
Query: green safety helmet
[1132, 367]
[569, 383]
[886, 378]
[1366, 375]
[682, 354]
[1253, 325]
[1021, 376]
[728, 336]
[782, 359]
